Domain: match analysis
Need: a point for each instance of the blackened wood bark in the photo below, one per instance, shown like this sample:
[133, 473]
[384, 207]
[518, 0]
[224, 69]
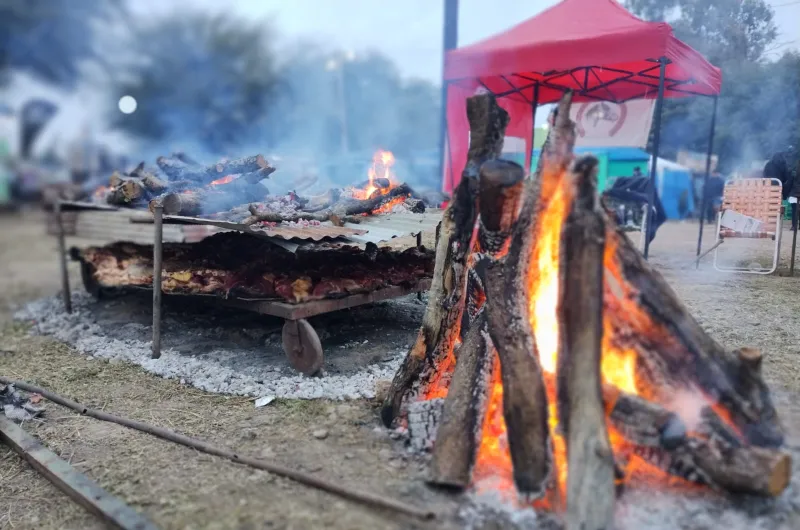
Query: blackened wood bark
[458, 438]
[256, 167]
[501, 183]
[590, 478]
[460, 428]
[341, 209]
[706, 455]
[683, 354]
[507, 289]
[441, 323]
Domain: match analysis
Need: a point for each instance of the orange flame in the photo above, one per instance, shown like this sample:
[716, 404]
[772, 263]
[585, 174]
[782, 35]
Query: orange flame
[382, 162]
[224, 180]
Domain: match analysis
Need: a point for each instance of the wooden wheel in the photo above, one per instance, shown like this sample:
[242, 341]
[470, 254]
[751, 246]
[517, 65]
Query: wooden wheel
[89, 283]
[302, 346]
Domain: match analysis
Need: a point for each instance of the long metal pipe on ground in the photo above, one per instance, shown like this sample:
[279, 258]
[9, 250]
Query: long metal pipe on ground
[369, 499]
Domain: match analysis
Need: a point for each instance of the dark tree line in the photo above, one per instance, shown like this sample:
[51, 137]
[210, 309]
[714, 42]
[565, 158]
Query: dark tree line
[759, 107]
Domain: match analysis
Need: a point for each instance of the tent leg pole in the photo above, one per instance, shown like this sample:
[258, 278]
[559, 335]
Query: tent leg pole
[450, 42]
[651, 197]
[703, 204]
[794, 237]
[534, 106]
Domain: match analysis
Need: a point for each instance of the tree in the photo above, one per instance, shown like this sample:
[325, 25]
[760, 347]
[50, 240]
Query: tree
[53, 39]
[758, 107]
[209, 78]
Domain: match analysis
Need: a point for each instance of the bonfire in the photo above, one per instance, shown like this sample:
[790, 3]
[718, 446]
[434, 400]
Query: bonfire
[233, 190]
[555, 365]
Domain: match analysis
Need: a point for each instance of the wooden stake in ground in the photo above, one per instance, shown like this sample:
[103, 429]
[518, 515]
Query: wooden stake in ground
[441, 323]
[590, 478]
[78, 487]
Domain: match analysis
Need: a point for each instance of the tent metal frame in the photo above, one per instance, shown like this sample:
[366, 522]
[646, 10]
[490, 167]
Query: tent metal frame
[659, 82]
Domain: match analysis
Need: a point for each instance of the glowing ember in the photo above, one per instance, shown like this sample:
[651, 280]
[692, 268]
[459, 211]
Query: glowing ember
[101, 191]
[388, 206]
[224, 180]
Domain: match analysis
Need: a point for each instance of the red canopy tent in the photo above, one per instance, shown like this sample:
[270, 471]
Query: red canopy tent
[595, 48]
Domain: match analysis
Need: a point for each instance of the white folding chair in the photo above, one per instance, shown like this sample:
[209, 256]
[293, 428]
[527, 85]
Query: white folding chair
[762, 199]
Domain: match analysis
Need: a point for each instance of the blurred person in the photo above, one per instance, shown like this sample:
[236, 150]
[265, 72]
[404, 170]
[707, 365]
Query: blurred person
[784, 166]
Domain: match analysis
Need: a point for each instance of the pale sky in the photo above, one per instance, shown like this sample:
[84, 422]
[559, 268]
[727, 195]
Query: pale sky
[408, 31]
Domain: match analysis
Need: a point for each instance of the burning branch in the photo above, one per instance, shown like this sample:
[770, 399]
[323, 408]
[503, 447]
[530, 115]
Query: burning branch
[459, 434]
[440, 326]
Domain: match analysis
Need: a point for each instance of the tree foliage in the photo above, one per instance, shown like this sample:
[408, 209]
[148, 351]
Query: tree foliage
[759, 111]
[52, 39]
[205, 77]
[217, 82]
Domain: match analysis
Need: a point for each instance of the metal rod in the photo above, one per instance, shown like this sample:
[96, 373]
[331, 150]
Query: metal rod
[158, 253]
[707, 252]
[534, 106]
[705, 179]
[62, 258]
[651, 197]
[76, 486]
[794, 237]
[419, 244]
[450, 42]
[369, 499]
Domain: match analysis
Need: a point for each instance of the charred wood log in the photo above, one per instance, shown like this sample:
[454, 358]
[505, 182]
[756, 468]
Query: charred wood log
[501, 183]
[459, 433]
[341, 209]
[590, 478]
[507, 289]
[441, 323]
[702, 456]
[458, 437]
[415, 205]
[255, 167]
[674, 350]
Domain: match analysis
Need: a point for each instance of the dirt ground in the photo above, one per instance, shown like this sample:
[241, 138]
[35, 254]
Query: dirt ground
[180, 488]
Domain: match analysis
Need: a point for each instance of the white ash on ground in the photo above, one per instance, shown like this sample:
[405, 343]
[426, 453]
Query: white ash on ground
[642, 506]
[237, 353]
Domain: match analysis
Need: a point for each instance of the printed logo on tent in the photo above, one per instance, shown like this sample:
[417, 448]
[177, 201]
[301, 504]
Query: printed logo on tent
[600, 117]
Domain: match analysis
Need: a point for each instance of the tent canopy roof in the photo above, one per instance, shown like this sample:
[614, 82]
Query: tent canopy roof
[594, 47]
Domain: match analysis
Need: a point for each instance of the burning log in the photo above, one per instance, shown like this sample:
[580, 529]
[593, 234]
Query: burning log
[679, 350]
[508, 310]
[459, 432]
[704, 456]
[220, 198]
[590, 478]
[440, 326]
[341, 209]
[137, 187]
[256, 167]
[415, 205]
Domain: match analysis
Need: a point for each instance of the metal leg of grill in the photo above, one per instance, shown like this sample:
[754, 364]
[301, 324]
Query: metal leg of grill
[62, 259]
[158, 252]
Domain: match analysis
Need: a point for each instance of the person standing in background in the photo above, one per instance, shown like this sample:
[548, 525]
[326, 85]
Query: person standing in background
[784, 167]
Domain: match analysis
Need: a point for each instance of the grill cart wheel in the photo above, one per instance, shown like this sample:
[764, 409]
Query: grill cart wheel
[302, 346]
[89, 283]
